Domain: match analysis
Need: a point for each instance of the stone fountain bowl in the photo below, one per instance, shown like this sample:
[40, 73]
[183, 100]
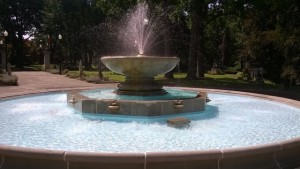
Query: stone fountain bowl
[140, 72]
[140, 66]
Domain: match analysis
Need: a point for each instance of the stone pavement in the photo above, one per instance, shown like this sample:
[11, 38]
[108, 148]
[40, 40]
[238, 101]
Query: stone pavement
[35, 82]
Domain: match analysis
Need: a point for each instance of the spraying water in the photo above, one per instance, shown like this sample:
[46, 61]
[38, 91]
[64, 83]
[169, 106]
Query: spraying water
[143, 30]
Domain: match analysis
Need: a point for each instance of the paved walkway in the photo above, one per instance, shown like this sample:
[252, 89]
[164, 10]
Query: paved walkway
[36, 82]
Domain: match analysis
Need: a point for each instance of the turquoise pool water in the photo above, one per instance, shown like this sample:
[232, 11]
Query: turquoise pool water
[45, 121]
[172, 94]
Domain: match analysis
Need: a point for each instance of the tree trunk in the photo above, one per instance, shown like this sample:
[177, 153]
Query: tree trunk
[18, 57]
[200, 47]
[167, 42]
[196, 51]
[19, 51]
[191, 74]
[100, 74]
[168, 49]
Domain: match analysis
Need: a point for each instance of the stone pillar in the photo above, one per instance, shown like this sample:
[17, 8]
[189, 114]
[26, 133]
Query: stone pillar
[46, 59]
[3, 60]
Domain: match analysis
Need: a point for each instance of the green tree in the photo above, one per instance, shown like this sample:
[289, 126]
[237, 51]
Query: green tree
[221, 34]
[53, 17]
[20, 18]
[196, 51]
[72, 19]
[269, 38]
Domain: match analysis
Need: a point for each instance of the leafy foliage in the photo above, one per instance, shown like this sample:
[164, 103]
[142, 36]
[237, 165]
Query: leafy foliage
[245, 34]
[20, 18]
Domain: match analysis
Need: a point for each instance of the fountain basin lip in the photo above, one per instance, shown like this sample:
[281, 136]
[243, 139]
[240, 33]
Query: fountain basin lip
[218, 156]
[140, 67]
[139, 57]
[162, 159]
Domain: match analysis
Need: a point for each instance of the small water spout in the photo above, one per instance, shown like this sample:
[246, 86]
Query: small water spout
[178, 104]
[114, 106]
[146, 21]
[207, 100]
[72, 100]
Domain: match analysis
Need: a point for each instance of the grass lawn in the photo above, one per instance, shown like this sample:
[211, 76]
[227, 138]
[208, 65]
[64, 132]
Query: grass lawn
[227, 82]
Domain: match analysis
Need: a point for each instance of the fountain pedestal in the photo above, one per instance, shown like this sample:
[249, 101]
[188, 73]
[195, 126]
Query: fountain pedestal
[144, 86]
[140, 72]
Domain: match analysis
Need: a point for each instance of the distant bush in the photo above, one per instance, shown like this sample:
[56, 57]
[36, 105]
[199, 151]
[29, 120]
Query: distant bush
[9, 80]
[240, 75]
[216, 71]
[96, 79]
[71, 67]
[52, 66]
[65, 71]
[73, 74]
[230, 71]
[92, 79]
[53, 71]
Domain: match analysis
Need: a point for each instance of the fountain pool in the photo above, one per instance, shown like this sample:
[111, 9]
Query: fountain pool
[232, 126]
[229, 121]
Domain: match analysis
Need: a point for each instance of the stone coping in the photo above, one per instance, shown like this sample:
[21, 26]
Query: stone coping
[283, 154]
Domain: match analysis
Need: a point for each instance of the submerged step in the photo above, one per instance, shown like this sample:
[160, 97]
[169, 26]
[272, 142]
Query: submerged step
[178, 122]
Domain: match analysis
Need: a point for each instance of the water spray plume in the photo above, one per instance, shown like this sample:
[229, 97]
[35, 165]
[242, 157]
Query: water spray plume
[143, 28]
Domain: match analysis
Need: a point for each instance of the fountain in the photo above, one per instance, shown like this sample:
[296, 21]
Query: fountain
[128, 126]
[140, 32]
[140, 71]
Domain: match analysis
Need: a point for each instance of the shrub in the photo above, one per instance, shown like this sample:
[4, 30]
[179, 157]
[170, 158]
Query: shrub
[73, 74]
[216, 71]
[240, 75]
[52, 66]
[65, 71]
[10, 80]
[53, 71]
[95, 79]
[230, 71]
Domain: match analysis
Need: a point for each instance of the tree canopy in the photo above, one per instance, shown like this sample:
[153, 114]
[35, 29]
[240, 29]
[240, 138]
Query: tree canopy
[205, 34]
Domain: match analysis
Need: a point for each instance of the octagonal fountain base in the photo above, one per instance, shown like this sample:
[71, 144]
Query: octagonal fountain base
[149, 108]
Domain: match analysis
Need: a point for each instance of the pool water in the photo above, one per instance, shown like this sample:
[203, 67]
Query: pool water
[45, 121]
[172, 94]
